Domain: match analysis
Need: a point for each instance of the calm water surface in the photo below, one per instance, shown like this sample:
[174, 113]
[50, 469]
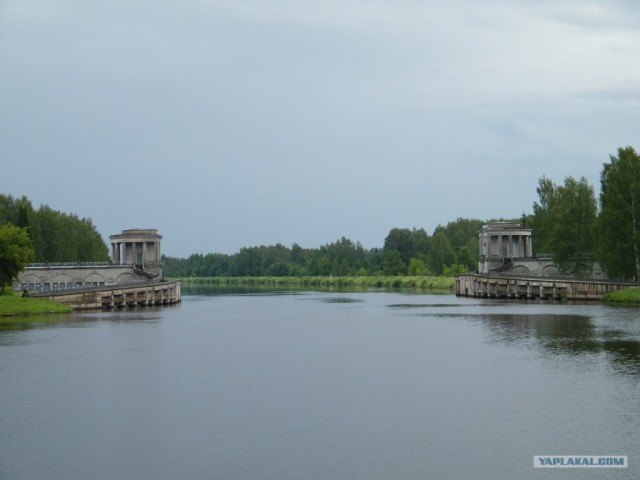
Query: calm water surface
[321, 385]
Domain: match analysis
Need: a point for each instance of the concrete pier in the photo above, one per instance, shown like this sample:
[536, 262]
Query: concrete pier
[118, 296]
[502, 286]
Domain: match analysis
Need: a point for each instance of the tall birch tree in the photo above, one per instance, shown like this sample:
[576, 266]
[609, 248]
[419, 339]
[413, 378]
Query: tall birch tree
[619, 222]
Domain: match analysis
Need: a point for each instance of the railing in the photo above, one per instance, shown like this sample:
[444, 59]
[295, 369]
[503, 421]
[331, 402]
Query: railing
[507, 264]
[90, 288]
[558, 277]
[71, 264]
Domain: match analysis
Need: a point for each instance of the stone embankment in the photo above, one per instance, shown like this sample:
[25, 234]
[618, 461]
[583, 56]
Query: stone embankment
[502, 286]
[118, 296]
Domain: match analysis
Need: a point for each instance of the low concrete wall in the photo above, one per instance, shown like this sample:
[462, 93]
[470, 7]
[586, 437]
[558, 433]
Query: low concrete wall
[57, 277]
[534, 267]
[119, 296]
[499, 286]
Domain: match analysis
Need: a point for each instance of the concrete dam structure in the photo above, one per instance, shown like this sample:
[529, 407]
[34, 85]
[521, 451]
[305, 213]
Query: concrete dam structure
[505, 286]
[507, 268]
[133, 277]
[154, 293]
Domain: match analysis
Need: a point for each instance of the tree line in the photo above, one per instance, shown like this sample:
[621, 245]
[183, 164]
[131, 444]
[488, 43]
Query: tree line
[448, 250]
[55, 236]
[576, 228]
[569, 222]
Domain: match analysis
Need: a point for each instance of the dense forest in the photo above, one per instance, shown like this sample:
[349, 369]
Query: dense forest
[55, 236]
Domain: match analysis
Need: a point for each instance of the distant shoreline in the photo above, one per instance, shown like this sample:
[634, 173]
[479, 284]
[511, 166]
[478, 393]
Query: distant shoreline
[417, 282]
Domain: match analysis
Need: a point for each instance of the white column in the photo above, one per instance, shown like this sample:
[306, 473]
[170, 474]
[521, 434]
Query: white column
[521, 245]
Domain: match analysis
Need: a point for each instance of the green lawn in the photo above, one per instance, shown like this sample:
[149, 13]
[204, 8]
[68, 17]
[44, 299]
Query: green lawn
[15, 305]
[629, 295]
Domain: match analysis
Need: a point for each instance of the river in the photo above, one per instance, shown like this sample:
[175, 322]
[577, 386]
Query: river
[321, 385]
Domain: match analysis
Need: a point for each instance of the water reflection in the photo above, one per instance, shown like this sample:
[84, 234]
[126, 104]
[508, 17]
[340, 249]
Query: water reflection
[340, 300]
[9, 338]
[569, 335]
[318, 385]
[213, 290]
[432, 305]
[39, 321]
[625, 356]
[80, 320]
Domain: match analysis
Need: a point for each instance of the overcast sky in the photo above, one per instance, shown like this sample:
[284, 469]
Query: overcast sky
[232, 123]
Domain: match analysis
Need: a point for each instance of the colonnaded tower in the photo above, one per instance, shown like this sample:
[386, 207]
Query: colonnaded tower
[139, 247]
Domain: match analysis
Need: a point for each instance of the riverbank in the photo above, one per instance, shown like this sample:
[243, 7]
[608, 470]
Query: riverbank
[418, 282]
[12, 306]
[630, 295]
[536, 287]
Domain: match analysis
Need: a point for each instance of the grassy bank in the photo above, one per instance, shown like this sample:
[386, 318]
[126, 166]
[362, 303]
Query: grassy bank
[629, 295]
[12, 306]
[424, 283]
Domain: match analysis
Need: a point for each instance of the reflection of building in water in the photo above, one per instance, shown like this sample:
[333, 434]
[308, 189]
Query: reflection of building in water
[568, 335]
[135, 258]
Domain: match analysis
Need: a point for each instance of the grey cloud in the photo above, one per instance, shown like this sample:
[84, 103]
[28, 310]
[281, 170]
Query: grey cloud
[260, 122]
